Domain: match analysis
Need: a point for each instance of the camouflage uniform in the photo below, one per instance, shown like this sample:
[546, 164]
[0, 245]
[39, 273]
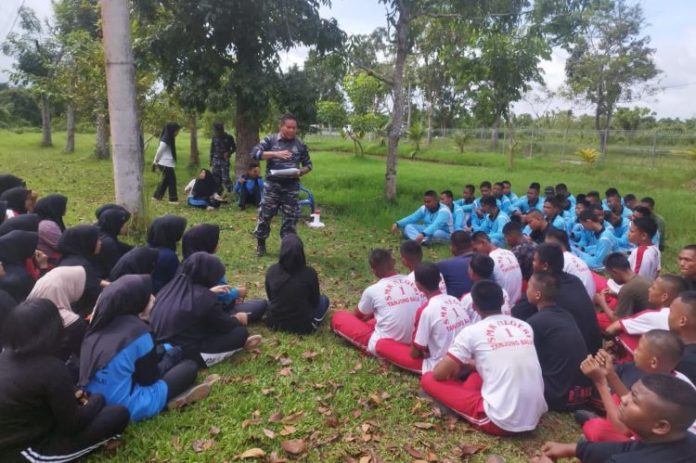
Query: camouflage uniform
[219, 163]
[280, 192]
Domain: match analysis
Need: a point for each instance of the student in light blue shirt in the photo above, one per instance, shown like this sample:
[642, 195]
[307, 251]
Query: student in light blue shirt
[504, 203]
[630, 201]
[463, 208]
[552, 213]
[620, 225]
[430, 223]
[600, 244]
[562, 189]
[493, 221]
[507, 191]
[528, 202]
[614, 202]
[642, 211]
[447, 198]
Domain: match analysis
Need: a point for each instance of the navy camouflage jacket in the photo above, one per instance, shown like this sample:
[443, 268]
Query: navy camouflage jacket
[274, 142]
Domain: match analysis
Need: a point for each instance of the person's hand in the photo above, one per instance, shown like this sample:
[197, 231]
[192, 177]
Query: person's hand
[243, 318]
[242, 291]
[420, 238]
[555, 450]
[242, 180]
[591, 368]
[104, 283]
[479, 212]
[41, 259]
[81, 397]
[607, 292]
[540, 458]
[394, 229]
[220, 289]
[285, 154]
[605, 360]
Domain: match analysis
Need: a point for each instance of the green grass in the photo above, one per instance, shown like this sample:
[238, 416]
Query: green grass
[340, 392]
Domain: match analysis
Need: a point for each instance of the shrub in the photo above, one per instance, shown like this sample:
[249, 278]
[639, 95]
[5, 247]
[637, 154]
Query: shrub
[588, 155]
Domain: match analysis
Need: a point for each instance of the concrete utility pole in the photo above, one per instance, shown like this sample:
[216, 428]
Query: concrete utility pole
[123, 113]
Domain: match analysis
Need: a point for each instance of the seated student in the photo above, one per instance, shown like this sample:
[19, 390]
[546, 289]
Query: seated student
[40, 418]
[498, 192]
[572, 296]
[659, 411]
[7, 303]
[492, 222]
[8, 181]
[249, 187]
[531, 201]
[537, 227]
[620, 226]
[503, 393]
[562, 192]
[632, 297]
[649, 203]
[682, 321]
[79, 245]
[686, 260]
[24, 222]
[438, 321]
[111, 222]
[645, 258]
[454, 269]
[481, 268]
[464, 207]
[559, 345]
[64, 286]
[447, 198]
[644, 212]
[507, 272]
[572, 264]
[432, 222]
[188, 314]
[630, 201]
[507, 191]
[295, 301]
[140, 260]
[412, 255]
[120, 359]
[202, 191]
[52, 208]
[574, 228]
[49, 236]
[17, 250]
[614, 202]
[521, 247]
[205, 238]
[164, 234]
[593, 199]
[553, 213]
[658, 353]
[600, 241]
[391, 302]
[19, 201]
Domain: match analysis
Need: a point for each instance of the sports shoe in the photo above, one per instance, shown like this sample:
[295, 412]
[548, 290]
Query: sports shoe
[253, 341]
[173, 202]
[210, 208]
[194, 394]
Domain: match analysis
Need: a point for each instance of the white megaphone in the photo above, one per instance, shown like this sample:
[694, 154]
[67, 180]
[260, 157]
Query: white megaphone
[316, 222]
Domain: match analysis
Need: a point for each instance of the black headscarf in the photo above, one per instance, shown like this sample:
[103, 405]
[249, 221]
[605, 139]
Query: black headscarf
[16, 198]
[169, 136]
[204, 188]
[112, 219]
[115, 323]
[105, 207]
[7, 303]
[24, 222]
[17, 246]
[187, 294]
[292, 257]
[166, 231]
[201, 238]
[8, 181]
[52, 207]
[80, 240]
[137, 261]
[3, 211]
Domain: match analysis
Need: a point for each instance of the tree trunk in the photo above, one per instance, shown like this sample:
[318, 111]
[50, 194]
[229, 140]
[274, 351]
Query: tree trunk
[70, 128]
[431, 106]
[101, 150]
[247, 137]
[495, 133]
[193, 128]
[123, 110]
[408, 105]
[46, 139]
[397, 118]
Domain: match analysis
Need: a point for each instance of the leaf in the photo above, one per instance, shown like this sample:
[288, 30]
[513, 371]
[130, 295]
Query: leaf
[214, 430]
[309, 355]
[276, 417]
[253, 453]
[287, 371]
[471, 449]
[294, 446]
[176, 443]
[285, 361]
[421, 425]
[275, 458]
[332, 422]
[365, 459]
[287, 430]
[413, 452]
[270, 434]
[202, 445]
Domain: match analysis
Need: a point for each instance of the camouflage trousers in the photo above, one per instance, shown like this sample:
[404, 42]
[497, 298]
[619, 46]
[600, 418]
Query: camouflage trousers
[277, 196]
[221, 173]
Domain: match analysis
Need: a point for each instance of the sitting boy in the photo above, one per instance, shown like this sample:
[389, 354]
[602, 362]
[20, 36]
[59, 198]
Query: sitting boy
[596, 243]
[481, 268]
[492, 221]
[503, 393]
[430, 223]
[645, 258]
[412, 255]
[682, 322]
[249, 187]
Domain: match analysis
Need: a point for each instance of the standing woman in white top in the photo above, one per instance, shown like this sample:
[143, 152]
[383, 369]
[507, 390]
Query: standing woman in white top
[165, 159]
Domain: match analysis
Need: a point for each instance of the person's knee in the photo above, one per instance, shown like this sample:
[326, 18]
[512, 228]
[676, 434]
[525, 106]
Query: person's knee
[119, 417]
[340, 319]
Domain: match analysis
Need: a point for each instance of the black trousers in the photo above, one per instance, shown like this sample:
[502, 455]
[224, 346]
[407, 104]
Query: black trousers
[216, 348]
[71, 340]
[168, 182]
[180, 378]
[255, 309]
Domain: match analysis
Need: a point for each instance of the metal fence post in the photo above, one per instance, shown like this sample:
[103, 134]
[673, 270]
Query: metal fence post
[654, 148]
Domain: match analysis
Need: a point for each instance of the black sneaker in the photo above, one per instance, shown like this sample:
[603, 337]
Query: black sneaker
[261, 248]
[583, 416]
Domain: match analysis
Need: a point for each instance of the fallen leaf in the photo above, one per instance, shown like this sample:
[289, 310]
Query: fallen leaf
[366, 437]
[356, 413]
[413, 452]
[293, 417]
[202, 445]
[176, 443]
[332, 422]
[420, 425]
[276, 417]
[287, 371]
[113, 444]
[365, 459]
[287, 430]
[270, 434]
[214, 430]
[275, 458]
[253, 453]
[285, 361]
[432, 456]
[294, 446]
[471, 449]
[375, 399]
[309, 355]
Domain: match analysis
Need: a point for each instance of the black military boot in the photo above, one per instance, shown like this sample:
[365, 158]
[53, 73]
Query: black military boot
[261, 248]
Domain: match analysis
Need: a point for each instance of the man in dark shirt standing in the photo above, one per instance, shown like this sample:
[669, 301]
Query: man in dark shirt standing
[287, 159]
[222, 146]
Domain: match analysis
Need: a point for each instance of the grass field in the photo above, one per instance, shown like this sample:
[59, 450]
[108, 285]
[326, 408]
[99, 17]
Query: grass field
[346, 406]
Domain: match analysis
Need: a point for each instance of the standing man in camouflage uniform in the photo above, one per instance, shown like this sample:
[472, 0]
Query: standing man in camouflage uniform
[221, 148]
[281, 151]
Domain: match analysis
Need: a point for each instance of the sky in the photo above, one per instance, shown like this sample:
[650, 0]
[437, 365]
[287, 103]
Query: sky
[671, 27]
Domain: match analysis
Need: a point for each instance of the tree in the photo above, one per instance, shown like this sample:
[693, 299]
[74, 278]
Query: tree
[630, 119]
[610, 61]
[331, 114]
[326, 73]
[416, 133]
[297, 95]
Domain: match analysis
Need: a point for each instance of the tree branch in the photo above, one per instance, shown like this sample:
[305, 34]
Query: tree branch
[372, 73]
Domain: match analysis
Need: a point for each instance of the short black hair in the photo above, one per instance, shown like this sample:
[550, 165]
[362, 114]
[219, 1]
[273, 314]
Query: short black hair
[460, 240]
[587, 215]
[675, 284]
[648, 200]
[547, 284]
[480, 236]
[218, 126]
[617, 261]
[534, 186]
[646, 225]
[689, 298]
[553, 201]
[581, 198]
[379, 258]
[551, 254]
[666, 345]
[489, 201]
[593, 193]
[252, 165]
[549, 191]
[562, 187]
[689, 247]
[431, 194]
[611, 192]
[511, 228]
[470, 187]
[500, 184]
[287, 117]
[559, 236]
[485, 184]
[427, 275]
[506, 182]
[447, 193]
[33, 328]
[411, 250]
[629, 197]
[487, 296]
[535, 212]
[642, 210]
[482, 265]
[679, 395]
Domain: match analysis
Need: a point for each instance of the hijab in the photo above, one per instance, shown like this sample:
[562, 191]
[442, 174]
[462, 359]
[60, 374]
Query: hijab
[100, 210]
[52, 207]
[80, 240]
[17, 246]
[292, 258]
[111, 220]
[7, 303]
[137, 261]
[8, 181]
[204, 188]
[115, 323]
[63, 286]
[3, 211]
[187, 295]
[24, 222]
[169, 136]
[166, 231]
[49, 235]
[201, 238]
[16, 198]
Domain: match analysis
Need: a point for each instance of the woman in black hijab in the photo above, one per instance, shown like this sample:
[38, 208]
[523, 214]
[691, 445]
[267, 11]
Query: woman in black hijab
[8, 181]
[7, 303]
[295, 303]
[18, 201]
[119, 357]
[138, 261]
[53, 208]
[188, 314]
[203, 191]
[16, 247]
[165, 160]
[25, 222]
[164, 234]
[205, 238]
[111, 222]
[80, 245]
